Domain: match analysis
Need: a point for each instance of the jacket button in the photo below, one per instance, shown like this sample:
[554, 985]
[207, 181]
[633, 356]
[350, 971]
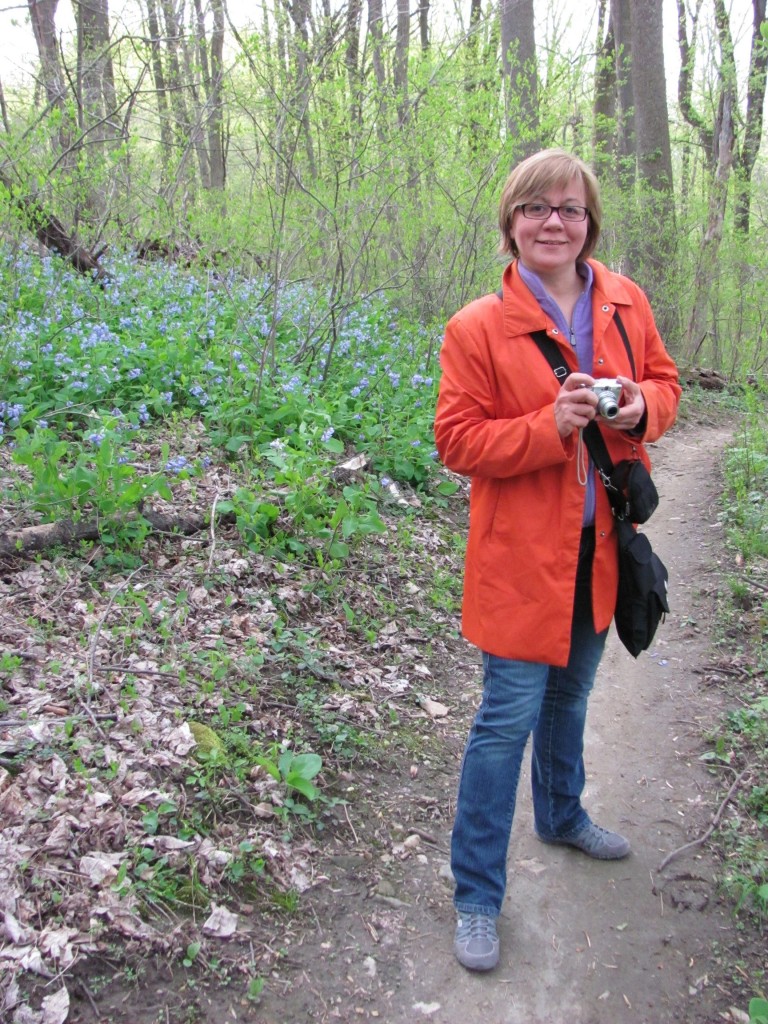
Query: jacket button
[602, 533]
[555, 330]
[606, 308]
[600, 362]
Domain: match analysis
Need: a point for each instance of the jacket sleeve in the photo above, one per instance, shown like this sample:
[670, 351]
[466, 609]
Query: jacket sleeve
[471, 439]
[658, 378]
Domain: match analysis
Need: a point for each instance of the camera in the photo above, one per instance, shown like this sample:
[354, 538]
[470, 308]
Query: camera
[608, 391]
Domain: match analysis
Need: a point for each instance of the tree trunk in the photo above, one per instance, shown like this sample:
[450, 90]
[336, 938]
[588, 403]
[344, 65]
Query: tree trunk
[424, 25]
[706, 272]
[753, 129]
[687, 51]
[212, 76]
[96, 99]
[161, 92]
[400, 70]
[518, 58]
[621, 19]
[300, 13]
[652, 146]
[351, 62]
[604, 109]
[42, 14]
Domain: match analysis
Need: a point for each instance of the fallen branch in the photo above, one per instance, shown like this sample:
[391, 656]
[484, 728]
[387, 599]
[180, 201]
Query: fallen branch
[715, 822]
[67, 532]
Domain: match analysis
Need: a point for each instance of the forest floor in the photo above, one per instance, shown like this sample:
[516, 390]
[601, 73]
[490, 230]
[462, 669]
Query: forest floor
[369, 935]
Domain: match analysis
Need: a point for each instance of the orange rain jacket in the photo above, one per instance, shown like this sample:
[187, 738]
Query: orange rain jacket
[495, 423]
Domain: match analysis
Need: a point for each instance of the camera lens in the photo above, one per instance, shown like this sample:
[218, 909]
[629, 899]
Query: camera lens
[607, 407]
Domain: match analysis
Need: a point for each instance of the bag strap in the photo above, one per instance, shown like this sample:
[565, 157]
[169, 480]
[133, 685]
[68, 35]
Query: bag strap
[591, 433]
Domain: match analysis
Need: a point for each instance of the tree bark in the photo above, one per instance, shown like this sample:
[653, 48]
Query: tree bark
[621, 19]
[652, 145]
[212, 75]
[96, 100]
[66, 532]
[42, 14]
[725, 134]
[161, 91]
[687, 51]
[424, 25]
[604, 109]
[518, 58]
[400, 69]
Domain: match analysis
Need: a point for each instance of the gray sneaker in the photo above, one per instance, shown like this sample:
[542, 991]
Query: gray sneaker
[595, 842]
[476, 945]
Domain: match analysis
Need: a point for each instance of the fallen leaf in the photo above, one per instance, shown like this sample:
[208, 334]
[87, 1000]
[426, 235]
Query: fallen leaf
[222, 924]
[56, 1007]
[433, 707]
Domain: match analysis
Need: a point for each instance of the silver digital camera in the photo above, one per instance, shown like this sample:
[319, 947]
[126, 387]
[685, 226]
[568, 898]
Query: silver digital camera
[608, 391]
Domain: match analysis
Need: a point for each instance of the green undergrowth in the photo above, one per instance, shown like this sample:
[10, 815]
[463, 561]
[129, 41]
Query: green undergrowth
[254, 370]
[739, 750]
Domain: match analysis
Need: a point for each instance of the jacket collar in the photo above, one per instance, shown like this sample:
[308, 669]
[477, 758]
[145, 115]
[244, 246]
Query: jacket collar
[523, 314]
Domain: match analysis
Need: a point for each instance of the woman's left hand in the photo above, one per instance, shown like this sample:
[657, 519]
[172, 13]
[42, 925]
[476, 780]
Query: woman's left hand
[631, 408]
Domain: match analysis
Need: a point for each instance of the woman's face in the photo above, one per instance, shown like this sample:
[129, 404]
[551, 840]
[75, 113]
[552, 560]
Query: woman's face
[547, 247]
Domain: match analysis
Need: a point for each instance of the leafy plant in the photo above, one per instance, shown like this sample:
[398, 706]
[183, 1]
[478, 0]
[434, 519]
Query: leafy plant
[296, 771]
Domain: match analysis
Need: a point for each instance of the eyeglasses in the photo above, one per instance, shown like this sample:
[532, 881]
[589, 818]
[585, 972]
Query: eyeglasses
[543, 211]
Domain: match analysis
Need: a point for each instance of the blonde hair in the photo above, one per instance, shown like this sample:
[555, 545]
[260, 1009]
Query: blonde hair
[550, 168]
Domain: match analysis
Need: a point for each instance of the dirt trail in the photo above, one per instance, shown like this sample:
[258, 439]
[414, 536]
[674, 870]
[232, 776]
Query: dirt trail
[582, 942]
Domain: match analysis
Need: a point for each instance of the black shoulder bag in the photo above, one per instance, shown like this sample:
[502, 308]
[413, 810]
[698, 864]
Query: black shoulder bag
[641, 602]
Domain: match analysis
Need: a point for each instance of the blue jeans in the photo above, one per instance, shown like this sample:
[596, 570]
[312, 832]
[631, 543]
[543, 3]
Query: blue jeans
[521, 697]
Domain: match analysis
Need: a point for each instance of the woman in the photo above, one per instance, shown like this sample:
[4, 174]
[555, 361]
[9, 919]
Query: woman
[541, 565]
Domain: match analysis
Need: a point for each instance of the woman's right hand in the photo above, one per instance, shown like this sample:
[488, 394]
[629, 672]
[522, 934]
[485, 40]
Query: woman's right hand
[576, 404]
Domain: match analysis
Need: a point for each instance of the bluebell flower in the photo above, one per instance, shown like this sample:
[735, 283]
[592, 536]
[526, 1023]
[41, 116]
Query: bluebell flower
[327, 434]
[176, 464]
[96, 438]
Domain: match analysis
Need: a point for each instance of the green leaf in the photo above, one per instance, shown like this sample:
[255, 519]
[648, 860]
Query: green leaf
[446, 487]
[234, 444]
[307, 765]
[302, 785]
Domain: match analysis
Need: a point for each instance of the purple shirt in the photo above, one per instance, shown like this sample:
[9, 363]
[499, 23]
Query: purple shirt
[579, 333]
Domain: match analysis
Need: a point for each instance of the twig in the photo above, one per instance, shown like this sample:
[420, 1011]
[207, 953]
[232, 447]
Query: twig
[212, 530]
[131, 671]
[715, 822]
[351, 826]
[89, 996]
